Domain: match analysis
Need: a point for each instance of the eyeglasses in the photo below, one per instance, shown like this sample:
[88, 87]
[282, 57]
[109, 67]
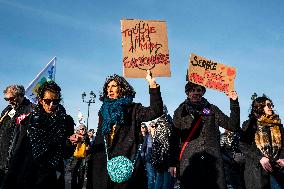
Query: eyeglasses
[10, 99]
[269, 105]
[82, 129]
[54, 101]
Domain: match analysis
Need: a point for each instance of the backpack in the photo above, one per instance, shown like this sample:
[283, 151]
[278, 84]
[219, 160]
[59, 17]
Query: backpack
[161, 143]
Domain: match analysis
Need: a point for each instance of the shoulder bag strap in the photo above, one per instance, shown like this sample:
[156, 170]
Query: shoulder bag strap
[190, 136]
[106, 147]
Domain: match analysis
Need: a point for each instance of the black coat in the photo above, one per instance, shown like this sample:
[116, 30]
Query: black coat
[255, 176]
[44, 171]
[233, 160]
[125, 142]
[9, 133]
[201, 164]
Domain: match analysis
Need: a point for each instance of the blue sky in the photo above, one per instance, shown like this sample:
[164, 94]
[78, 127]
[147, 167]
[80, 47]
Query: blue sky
[85, 37]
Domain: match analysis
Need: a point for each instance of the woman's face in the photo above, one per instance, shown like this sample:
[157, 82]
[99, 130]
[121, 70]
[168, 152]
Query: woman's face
[268, 109]
[91, 134]
[50, 101]
[143, 129]
[82, 130]
[112, 90]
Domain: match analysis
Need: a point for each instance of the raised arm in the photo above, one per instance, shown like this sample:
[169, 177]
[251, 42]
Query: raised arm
[231, 123]
[156, 103]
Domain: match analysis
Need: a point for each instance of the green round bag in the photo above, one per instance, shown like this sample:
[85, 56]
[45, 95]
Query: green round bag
[119, 169]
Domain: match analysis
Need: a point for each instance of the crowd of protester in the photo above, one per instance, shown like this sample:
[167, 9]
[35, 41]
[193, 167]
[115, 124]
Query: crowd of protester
[136, 146]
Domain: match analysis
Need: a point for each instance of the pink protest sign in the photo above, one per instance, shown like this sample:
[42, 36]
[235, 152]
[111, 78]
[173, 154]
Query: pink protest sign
[145, 47]
[211, 74]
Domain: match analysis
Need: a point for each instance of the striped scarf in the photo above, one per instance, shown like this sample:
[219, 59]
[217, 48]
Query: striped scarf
[268, 136]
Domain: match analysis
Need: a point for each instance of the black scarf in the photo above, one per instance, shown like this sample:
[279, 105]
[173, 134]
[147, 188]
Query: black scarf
[202, 107]
[46, 134]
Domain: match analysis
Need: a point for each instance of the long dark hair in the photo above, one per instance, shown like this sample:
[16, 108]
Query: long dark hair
[125, 89]
[257, 106]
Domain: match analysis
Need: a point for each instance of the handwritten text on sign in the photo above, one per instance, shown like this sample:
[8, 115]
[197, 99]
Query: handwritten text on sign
[145, 47]
[211, 74]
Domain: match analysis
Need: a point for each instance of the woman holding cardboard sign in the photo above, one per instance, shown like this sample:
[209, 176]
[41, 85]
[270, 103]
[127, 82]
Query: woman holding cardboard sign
[115, 162]
[197, 122]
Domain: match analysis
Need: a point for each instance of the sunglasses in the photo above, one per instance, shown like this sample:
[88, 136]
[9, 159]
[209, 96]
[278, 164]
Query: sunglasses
[82, 129]
[270, 105]
[54, 101]
[10, 99]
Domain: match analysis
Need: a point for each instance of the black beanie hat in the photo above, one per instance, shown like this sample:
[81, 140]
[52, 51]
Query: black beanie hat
[189, 86]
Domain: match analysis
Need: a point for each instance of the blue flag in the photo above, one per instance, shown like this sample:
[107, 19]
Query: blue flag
[47, 74]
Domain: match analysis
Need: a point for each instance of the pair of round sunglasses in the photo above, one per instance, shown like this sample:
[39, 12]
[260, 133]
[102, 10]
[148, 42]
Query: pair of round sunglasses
[54, 101]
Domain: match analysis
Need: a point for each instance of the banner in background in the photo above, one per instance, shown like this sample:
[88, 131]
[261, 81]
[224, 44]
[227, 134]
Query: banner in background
[47, 74]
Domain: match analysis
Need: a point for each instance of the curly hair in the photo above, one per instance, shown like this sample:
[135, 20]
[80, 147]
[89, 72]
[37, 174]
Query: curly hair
[17, 90]
[48, 86]
[124, 88]
[257, 106]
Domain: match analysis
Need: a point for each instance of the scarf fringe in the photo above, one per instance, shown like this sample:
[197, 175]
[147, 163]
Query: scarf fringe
[268, 135]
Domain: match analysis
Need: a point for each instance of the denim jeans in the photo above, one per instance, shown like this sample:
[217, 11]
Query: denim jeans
[75, 169]
[164, 180]
[276, 180]
[151, 174]
[273, 183]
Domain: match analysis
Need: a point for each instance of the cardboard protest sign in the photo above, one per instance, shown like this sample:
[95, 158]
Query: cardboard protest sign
[145, 47]
[211, 74]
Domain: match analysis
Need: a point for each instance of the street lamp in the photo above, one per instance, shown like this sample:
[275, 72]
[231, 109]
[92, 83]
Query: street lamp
[91, 100]
[253, 97]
